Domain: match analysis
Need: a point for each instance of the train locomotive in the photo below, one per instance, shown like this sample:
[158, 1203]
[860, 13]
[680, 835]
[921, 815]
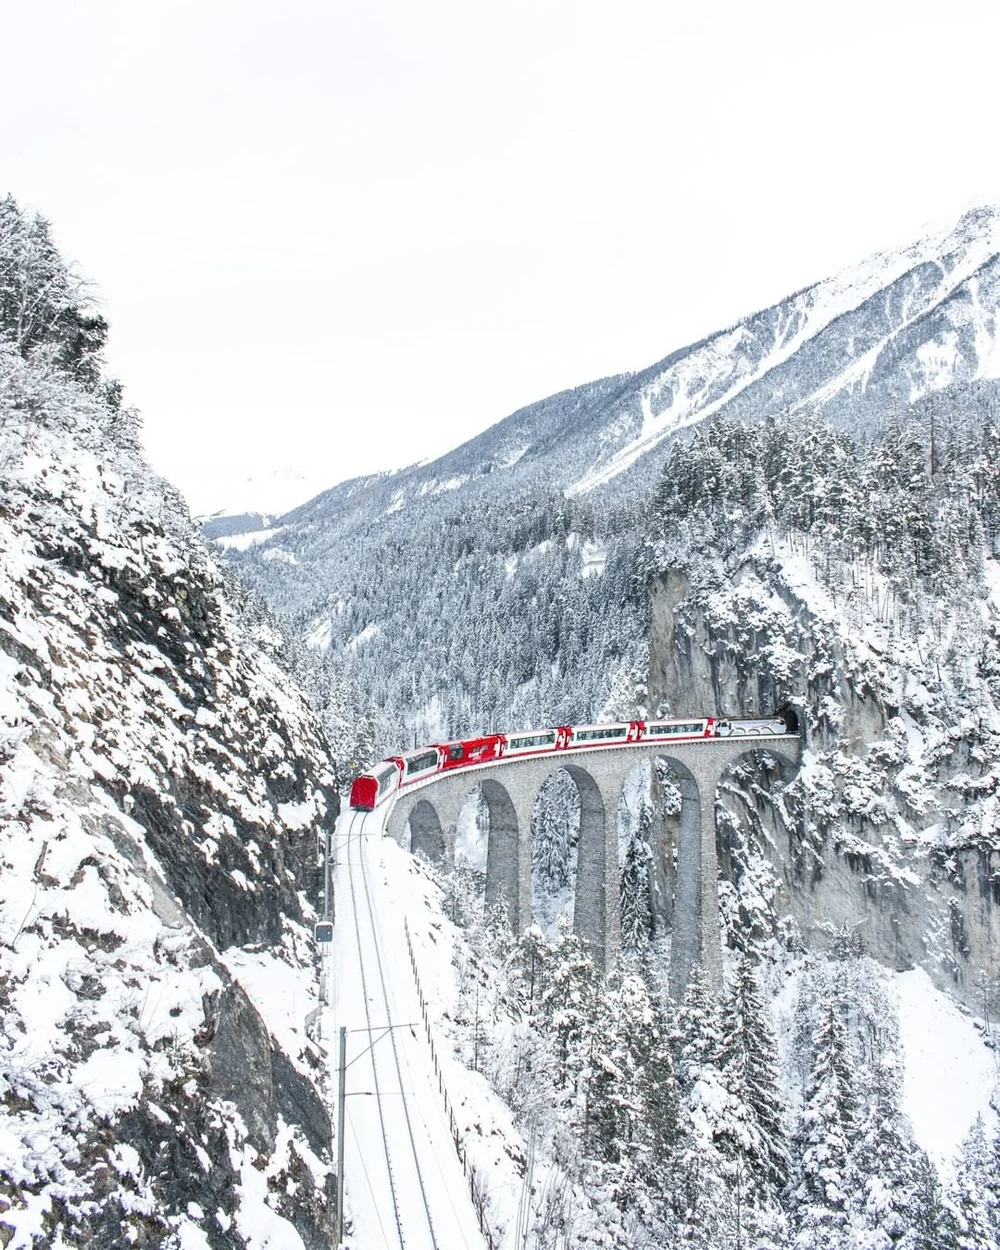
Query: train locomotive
[375, 786]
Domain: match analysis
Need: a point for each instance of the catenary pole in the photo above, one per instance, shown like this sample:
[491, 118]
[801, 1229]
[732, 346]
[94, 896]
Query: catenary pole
[341, 1095]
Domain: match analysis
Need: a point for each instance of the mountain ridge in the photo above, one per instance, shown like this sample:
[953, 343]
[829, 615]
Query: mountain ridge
[851, 346]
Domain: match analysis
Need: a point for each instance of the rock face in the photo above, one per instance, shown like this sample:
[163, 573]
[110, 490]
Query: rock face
[889, 830]
[163, 792]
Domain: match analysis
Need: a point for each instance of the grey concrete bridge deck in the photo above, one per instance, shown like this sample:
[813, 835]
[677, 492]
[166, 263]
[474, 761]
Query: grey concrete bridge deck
[689, 903]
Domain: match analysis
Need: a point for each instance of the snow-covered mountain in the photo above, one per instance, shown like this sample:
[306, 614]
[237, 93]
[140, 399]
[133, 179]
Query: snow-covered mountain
[163, 791]
[857, 348]
[236, 503]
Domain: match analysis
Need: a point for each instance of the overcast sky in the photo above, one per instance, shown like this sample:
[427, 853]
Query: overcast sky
[347, 236]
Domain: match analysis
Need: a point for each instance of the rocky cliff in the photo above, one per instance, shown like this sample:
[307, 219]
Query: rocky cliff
[163, 792]
[889, 830]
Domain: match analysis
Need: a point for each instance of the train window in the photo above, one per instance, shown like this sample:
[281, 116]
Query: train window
[591, 735]
[696, 727]
[418, 763]
[384, 778]
[531, 740]
[455, 752]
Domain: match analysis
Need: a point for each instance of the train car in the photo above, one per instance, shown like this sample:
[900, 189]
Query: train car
[416, 765]
[399, 770]
[369, 789]
[602, 735]
[674, 730]
[471, 751]
[751, 727]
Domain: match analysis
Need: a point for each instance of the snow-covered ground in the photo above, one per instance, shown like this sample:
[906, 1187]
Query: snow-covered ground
[388, 908]
[383, 895]
[948, 1074]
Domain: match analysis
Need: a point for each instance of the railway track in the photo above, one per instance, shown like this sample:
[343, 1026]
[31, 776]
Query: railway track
[396, 1160]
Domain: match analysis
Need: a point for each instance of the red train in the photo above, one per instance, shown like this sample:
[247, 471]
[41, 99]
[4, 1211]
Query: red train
[392, 774]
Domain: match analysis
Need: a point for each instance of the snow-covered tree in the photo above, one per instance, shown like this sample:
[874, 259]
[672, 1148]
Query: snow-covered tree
[555, 828]
[975, 1191]
[751, 1135]
[42, 304]
[569, 1000]
[531, 958]
[823, 1138]
[634, 884]
[699, 1194]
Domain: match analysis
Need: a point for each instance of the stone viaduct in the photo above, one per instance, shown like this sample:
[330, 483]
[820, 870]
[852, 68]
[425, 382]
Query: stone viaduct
[688, 902]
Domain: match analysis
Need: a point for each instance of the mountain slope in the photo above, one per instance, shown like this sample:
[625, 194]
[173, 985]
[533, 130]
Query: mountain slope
[162, 792]
[871, 340]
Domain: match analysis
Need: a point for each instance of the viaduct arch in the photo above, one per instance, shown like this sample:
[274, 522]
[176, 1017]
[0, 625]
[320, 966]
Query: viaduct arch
[688, 903]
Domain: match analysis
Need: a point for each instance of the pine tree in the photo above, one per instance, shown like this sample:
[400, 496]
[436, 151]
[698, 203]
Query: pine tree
[699, 1194]
[884, 1163]
[975, 1192]
[41, 301]
[934, 1226]
[824, 1134]
[634, 885]
[752, 1133]
[531, 957]
[568, 1000]
[657, 1087]
[699, 1036]
[555, 827]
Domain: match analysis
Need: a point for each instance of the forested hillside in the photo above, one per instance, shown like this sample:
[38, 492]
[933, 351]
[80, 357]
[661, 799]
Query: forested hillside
[163, 789]
[783, 1113]
[861, 583]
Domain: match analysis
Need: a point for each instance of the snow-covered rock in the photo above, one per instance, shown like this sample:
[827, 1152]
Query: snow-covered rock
[162, 792]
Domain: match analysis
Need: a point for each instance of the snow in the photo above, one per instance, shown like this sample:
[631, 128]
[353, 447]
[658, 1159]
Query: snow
[240, 542]
[321, 635]
[453, 483]
[470, 841]
[948, 1073]
[991, 568]
[278, 555]
[366, 635]
[593, 557]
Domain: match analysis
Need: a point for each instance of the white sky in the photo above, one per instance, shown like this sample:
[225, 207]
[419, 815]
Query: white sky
[349, 235]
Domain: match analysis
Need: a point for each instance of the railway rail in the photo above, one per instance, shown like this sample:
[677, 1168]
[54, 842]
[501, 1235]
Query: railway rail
[405, 1188]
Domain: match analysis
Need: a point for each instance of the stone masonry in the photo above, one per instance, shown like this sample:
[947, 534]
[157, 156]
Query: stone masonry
[688, 903]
